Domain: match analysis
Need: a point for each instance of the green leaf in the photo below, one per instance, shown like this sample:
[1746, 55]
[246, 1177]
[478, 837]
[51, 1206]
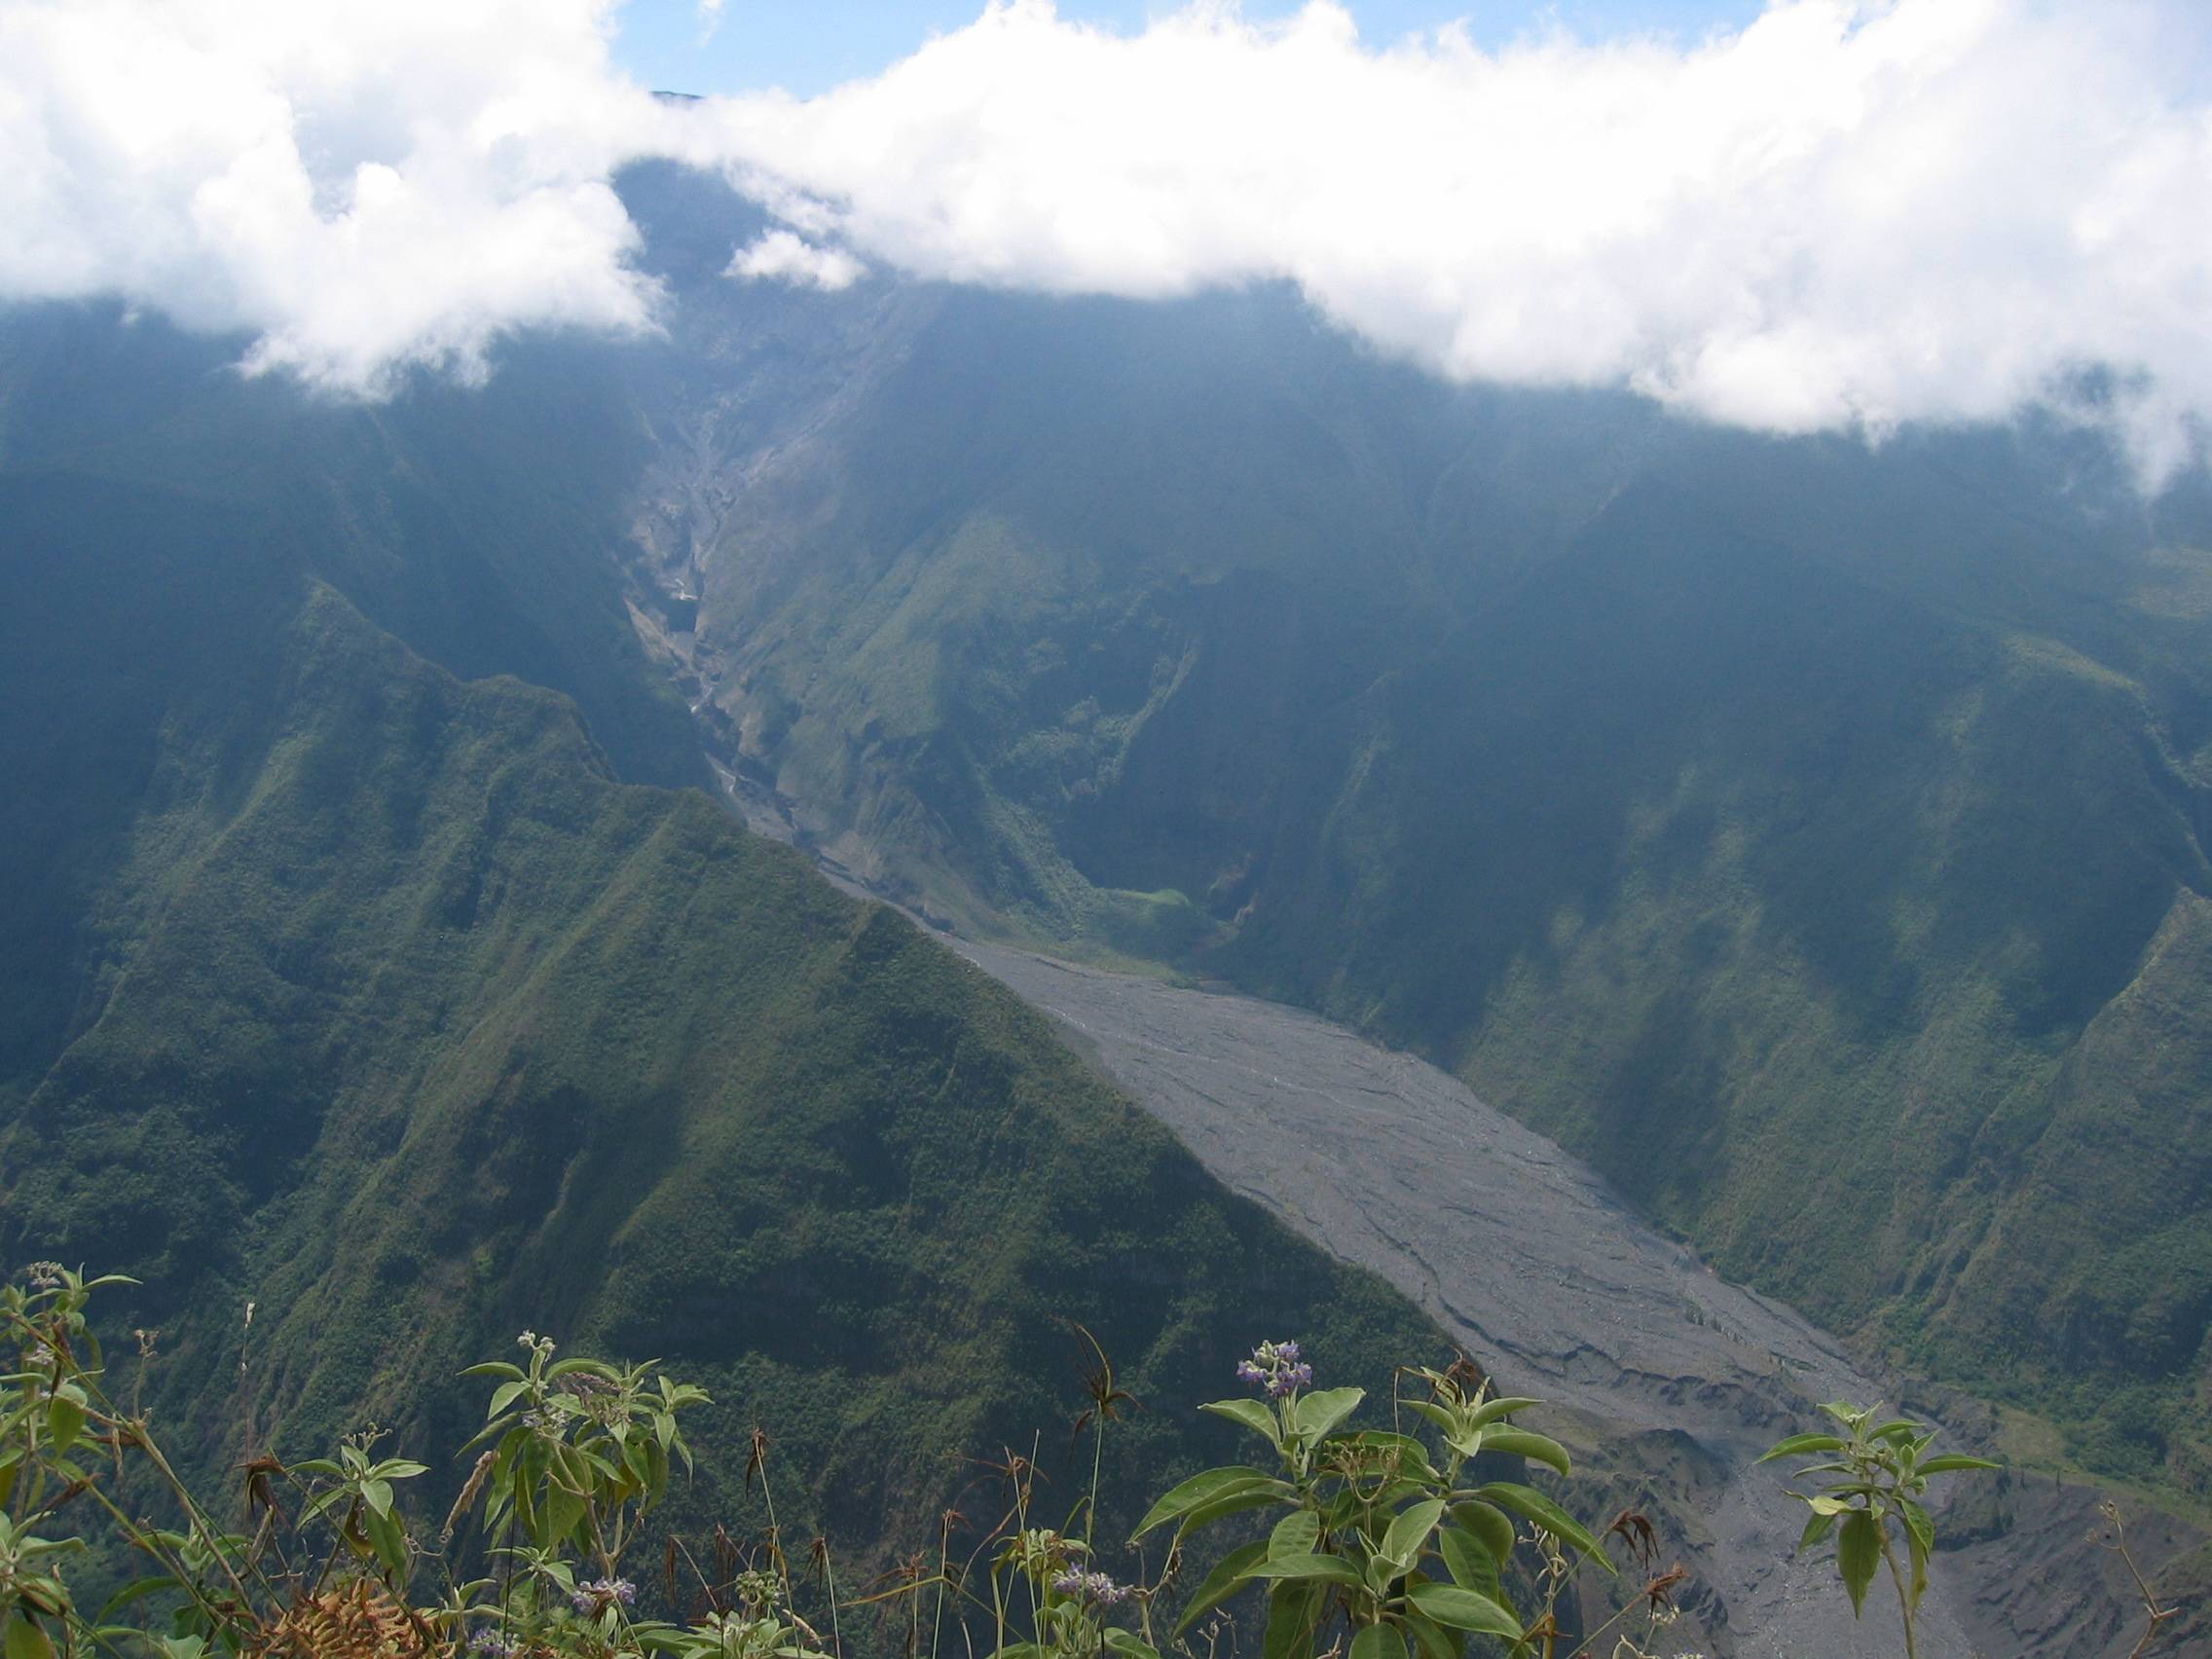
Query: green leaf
[25, 1641]
[322, 1503]
[1535, 1447]
[1532, 1505]
[389, 1541]
[526, 1507]
[1296, 1534]
[1951, 1461]
[1492, 1410]
[1431, 1639]
[1797, 1444]
[1492, 1527]
[494, 1368]
[137, 1590]
[1816, 1528]
[1858, 1552]
[1222, 1582]
[1199, 1489]
[1291, 1610]
[504, 1396]
[1252, 1414]
[1409, 1531]
[1378, 1641]
[377, 1494]
[1435, 1414]
[636, 1462]
[1920, 1535]
[1124, 1642]
[1333, 1570]
[1235, 1501]
[1320, 1412]
[1464, 1609]
[64, 1421]
[1467, 1558]
[564, 1514]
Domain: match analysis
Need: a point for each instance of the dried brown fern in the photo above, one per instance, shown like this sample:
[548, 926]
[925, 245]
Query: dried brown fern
[354, 1621]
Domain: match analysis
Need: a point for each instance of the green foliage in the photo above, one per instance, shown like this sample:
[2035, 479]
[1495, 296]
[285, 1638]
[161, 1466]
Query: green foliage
[1873, 1479]
[417, 1019]
[1410, 1550]
[1411, 1558]
[580, 1449]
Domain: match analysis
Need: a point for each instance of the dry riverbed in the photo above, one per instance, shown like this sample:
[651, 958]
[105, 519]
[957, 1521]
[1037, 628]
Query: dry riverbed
[1667, 1380]
[1676, 1380]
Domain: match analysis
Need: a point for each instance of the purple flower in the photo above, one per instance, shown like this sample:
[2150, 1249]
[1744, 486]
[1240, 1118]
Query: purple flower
[602, 1593]
[1095, 1588]
[1290, 1379]
[1276, 1368]
[493, 1645]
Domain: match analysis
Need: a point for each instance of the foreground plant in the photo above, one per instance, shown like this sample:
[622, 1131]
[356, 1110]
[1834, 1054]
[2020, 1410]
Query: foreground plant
[1875, 1473]
[579, 1454]
[1382, 1544]
[1401, 1548]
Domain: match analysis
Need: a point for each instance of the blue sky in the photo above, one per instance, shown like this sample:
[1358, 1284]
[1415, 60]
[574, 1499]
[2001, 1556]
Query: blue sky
[807, 46]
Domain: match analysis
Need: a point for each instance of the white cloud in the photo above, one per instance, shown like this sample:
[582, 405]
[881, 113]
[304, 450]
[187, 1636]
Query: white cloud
[783, 257]
[1846, 215]
[1842, 216]
[362, 186]
[710, 20]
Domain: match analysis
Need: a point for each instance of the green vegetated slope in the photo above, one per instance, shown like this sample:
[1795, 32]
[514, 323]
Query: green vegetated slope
[394, 1013]
[156, 500]
[1810, 835]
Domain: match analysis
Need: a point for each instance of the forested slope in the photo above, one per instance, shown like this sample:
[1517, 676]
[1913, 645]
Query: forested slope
[374, 998]
[1808, 833]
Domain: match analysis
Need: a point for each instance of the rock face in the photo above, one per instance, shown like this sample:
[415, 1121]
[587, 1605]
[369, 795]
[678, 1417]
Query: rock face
[1679, 1379]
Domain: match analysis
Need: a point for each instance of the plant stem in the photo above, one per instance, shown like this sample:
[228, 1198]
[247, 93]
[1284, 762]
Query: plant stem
[829, 1581]
[1904, 1602]
[1097, 1455]
[1590, 1642]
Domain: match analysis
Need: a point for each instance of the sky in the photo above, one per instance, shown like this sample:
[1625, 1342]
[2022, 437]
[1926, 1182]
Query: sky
[807, 47]
[1814, 215]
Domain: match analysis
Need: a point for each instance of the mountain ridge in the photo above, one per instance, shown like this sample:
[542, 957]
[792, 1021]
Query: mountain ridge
[1732, 808]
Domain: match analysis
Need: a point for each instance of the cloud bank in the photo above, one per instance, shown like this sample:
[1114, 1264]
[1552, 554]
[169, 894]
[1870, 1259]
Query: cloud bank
[361, 187]
[1843, 216]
